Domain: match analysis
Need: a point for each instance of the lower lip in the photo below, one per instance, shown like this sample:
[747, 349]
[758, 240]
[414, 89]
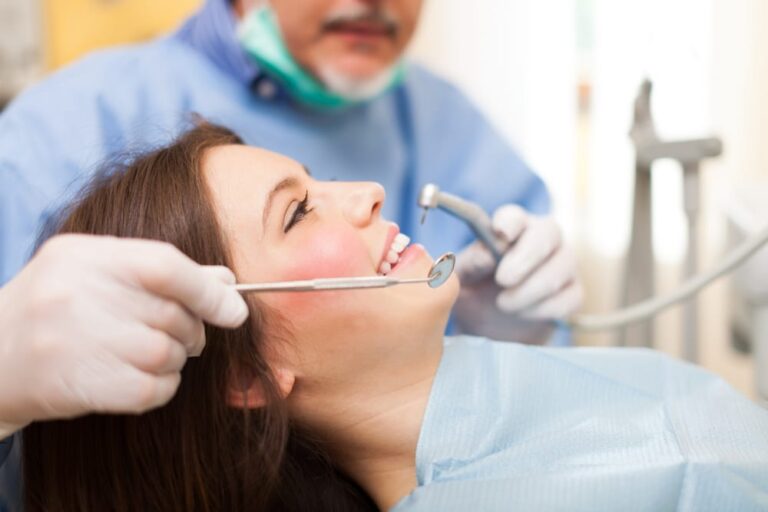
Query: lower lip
[411, 254]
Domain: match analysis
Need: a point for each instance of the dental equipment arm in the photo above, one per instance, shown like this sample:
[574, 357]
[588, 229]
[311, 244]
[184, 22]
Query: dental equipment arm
[479, 222]
[653, 306]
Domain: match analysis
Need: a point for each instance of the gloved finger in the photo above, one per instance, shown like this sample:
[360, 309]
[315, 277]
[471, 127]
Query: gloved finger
[151, 351]
[510, 221]
[474, 263]
[543, 282]
[220, 272]
[539, 240]
[168, 272]
[559, 306]
[173, 319]
[133, 391]
[155, 391]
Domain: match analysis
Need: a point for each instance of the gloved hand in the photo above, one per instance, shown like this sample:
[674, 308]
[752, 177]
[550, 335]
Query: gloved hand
[100, 324]
[535, 280]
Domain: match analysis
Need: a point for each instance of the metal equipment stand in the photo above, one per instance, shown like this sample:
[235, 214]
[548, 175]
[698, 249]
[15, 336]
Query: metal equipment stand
[639, 273]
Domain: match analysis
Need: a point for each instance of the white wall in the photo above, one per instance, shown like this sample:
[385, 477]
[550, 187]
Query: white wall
[669, 42]
[740, 77]
[516, 59]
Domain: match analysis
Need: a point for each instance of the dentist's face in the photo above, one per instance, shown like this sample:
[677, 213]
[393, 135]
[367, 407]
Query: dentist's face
[358, 39]
[281, 224]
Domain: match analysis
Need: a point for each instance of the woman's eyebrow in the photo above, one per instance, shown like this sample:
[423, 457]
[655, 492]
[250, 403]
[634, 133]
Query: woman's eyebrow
[285, 183]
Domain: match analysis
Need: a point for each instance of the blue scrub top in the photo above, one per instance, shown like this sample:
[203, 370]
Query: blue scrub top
[54, 135]
[511, 427]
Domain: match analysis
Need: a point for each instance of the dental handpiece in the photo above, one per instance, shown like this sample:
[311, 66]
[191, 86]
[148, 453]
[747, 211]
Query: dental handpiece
[475, 217]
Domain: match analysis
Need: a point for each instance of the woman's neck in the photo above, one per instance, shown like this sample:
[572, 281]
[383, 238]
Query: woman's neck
[372, 428]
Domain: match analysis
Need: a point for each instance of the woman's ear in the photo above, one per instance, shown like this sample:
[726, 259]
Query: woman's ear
[252, 396]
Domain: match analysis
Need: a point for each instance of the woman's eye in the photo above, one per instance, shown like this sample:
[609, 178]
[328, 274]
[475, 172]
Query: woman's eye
[299, 213]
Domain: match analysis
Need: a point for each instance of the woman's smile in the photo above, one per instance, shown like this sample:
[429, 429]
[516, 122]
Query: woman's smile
[394, 245]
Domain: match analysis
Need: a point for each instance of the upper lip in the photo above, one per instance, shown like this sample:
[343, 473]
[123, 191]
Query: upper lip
[394, 229]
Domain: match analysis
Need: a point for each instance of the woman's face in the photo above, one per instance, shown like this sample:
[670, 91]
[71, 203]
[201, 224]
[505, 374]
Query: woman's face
[281, 224]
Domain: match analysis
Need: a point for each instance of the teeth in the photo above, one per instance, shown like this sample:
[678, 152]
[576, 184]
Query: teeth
[400, 241]
[393, 255]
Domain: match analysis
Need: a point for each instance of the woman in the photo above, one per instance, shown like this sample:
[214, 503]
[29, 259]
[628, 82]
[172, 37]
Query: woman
[225, 441]
[351, 400]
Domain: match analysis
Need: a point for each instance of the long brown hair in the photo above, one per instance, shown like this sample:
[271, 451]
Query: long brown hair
[197, 452]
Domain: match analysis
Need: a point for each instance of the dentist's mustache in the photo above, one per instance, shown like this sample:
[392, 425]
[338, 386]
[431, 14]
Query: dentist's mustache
[352, 14]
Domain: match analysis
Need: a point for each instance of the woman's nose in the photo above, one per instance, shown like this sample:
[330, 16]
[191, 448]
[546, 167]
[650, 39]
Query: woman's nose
[362, 203]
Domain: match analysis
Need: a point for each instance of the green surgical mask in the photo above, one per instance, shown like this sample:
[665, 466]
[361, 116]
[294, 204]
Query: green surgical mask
[260, 36]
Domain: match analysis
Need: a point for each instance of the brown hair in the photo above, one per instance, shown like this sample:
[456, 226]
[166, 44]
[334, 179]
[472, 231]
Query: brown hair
[197, 452]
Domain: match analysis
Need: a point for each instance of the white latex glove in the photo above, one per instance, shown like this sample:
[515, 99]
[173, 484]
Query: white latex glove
[101, 324]
[536, 278]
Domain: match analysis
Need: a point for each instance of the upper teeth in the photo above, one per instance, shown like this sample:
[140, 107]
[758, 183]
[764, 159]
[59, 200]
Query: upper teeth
[393, 254]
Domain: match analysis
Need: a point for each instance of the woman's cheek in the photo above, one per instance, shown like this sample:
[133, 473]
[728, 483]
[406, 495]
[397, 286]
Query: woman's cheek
[329, 254]
[321, 256]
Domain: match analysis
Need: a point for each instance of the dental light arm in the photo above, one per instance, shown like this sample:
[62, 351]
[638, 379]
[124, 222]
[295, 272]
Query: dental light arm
[480, 223]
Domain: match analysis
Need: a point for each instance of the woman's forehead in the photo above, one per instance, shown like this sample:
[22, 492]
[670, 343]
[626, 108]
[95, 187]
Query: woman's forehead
[240, 159]
[235, 172]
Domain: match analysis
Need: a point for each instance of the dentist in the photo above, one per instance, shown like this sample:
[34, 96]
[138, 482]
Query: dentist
[325, 81]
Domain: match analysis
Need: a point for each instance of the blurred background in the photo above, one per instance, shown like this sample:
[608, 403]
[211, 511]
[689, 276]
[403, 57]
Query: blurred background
[559, 78]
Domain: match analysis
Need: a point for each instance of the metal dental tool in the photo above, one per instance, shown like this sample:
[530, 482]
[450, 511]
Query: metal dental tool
[441, 270]
[477, 219]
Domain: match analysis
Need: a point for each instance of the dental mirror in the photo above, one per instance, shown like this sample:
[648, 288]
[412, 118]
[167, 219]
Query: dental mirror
[441, 269]
[439, 273]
